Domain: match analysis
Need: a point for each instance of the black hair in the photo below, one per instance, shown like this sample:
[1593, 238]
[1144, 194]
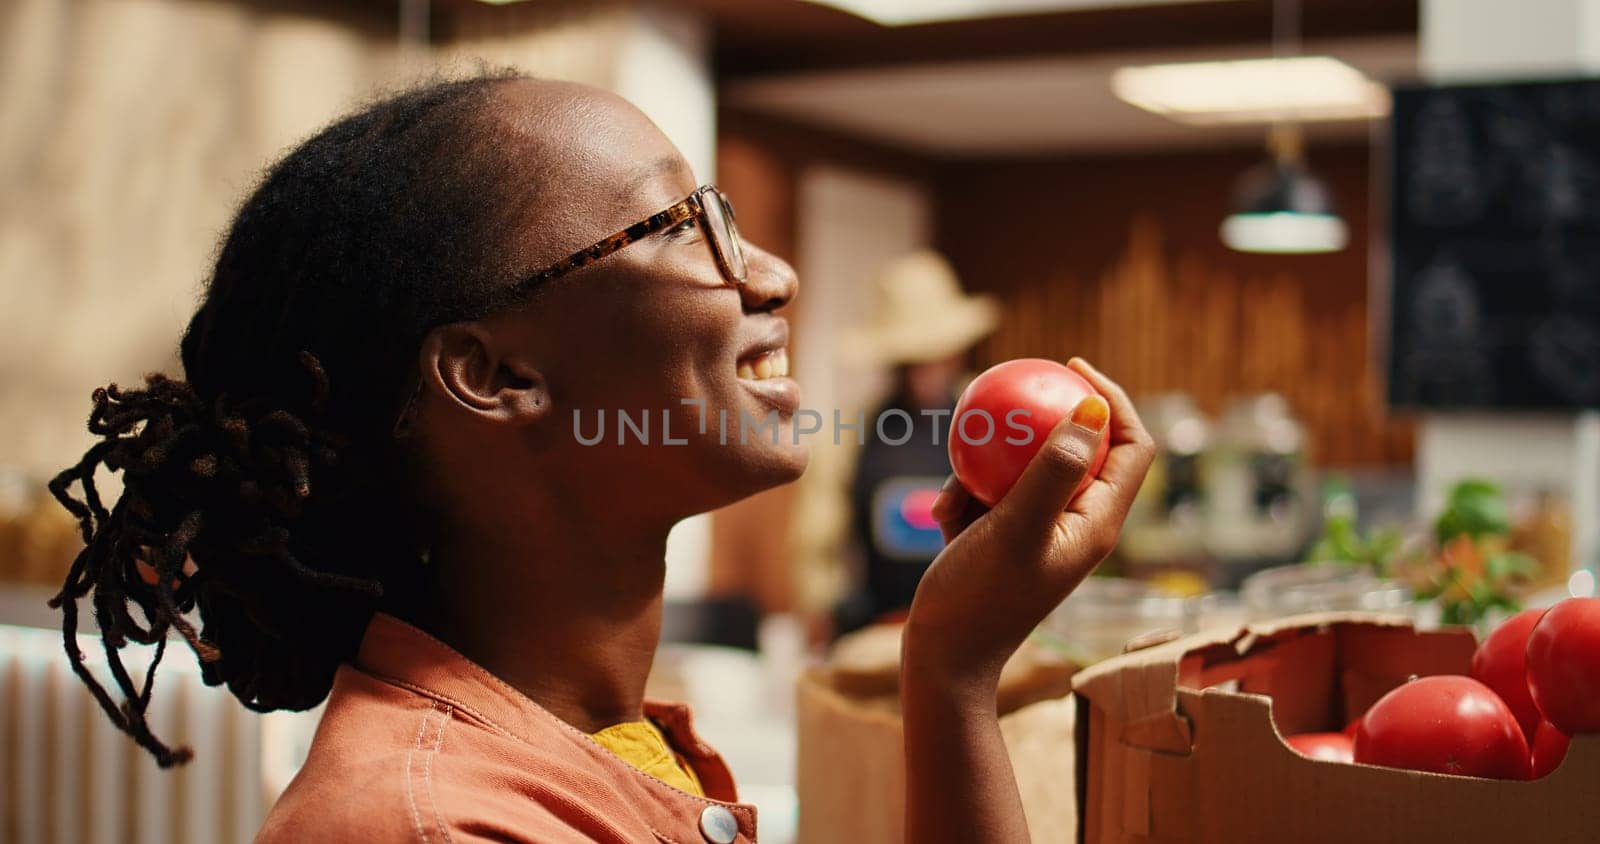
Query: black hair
[269, 487]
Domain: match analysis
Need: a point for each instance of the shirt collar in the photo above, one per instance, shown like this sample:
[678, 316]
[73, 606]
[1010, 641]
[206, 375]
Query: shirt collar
[407, 656]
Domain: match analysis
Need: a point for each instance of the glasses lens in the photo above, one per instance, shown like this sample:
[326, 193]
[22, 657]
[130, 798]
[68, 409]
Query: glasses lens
[724, 235]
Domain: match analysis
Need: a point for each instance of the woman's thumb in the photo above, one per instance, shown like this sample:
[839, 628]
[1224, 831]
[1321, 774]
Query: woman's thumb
[1058, 470]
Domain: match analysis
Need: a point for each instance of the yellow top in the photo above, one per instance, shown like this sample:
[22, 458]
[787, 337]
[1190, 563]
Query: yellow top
[642, 745]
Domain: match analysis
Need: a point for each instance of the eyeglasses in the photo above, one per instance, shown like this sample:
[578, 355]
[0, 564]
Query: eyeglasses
[706, 206]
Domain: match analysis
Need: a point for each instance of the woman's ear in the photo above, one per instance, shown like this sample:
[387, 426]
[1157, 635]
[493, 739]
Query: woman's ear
[465, 365]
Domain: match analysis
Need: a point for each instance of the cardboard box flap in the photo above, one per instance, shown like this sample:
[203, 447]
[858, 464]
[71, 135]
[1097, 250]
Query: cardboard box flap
[1140, 689]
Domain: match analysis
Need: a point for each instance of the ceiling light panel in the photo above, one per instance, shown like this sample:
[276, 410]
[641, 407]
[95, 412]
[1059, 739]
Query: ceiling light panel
[1299, 88]
[913, 12]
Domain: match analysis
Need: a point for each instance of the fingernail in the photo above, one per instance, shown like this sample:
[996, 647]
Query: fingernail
[1091, 414]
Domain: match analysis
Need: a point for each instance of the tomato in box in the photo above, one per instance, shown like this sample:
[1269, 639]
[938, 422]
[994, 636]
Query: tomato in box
[1330, 747]
[1564, 665]
[1549, 749]
[1446, 724]
[1501, 664]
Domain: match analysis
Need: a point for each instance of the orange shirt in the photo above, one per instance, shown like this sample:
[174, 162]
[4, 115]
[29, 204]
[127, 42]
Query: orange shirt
[420, 744]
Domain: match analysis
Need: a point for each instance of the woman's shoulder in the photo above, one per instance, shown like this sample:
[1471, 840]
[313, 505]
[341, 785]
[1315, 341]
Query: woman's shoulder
[388, 764]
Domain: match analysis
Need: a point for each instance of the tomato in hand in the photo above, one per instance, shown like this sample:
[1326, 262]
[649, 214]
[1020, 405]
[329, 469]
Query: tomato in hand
[1564, 665]
[1331, 747]
[1501, 664]
[1444, 724]
[1549, 748]
[1004, 416]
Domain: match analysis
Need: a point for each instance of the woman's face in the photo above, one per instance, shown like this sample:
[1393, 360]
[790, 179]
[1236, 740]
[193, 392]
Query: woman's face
[652, 333]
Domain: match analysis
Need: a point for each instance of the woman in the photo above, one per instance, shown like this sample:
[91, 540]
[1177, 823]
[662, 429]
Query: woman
[371, 482]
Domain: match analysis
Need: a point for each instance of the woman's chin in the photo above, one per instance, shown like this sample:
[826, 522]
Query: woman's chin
[798, 459]
[782, 463]
[769, 466]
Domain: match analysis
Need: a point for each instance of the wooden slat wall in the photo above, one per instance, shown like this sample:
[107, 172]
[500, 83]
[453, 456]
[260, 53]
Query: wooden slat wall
[1118, 260]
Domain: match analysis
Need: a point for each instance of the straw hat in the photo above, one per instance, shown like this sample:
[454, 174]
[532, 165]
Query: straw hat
[921, 313]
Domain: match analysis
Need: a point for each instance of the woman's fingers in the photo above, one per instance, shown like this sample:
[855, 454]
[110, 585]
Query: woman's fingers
[1055, 472]
[1125, 423]
[955, 509]
[952, 499]
[1132, 450]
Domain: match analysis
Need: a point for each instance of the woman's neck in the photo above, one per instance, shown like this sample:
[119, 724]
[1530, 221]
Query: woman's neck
[567, 616]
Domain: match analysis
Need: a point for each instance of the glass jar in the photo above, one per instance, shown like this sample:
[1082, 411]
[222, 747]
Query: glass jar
[1321, 587]
[1099, 618]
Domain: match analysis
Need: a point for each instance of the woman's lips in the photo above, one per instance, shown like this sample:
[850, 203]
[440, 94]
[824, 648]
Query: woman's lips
[766, 373]
[781, 393]
[764, 365]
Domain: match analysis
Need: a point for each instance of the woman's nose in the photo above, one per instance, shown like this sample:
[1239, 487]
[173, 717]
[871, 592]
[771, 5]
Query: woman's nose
[771, 282]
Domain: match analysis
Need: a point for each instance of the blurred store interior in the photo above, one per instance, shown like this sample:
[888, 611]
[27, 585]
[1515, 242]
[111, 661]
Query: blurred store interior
[1426, 359]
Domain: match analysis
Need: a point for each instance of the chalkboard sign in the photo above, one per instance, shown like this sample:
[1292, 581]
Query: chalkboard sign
[1495, 231]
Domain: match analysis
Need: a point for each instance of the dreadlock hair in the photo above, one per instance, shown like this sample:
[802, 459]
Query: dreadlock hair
[269, 487]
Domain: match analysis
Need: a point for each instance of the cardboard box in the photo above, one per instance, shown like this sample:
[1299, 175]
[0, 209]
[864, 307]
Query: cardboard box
[1182, 742]
[851, 779]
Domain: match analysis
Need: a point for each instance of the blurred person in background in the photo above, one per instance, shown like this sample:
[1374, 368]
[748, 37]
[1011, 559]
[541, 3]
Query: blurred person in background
[924, 328]
[370, 483]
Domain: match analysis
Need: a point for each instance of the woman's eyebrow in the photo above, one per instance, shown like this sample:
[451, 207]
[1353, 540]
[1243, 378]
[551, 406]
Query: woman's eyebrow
[665, 165]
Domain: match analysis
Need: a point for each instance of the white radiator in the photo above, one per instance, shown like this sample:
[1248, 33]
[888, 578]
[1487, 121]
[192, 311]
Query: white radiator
[68, 776]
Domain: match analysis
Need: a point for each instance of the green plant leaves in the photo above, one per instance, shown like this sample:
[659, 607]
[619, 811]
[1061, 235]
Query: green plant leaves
[1476, 509]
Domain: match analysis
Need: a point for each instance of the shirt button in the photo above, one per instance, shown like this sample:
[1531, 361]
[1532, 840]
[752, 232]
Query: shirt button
[718, 825]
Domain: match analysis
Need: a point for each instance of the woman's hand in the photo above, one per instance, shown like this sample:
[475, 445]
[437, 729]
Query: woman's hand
[1001, 572]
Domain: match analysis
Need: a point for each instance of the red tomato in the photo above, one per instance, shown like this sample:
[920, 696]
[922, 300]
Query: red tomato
[1349, 731]
[1549, 748]
[1501, 664]
[1564, 665]
[1333, 747]
[1020, 401]
[1445, 724]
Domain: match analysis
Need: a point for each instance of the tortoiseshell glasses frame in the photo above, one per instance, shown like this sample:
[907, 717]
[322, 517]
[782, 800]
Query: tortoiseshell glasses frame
[707, 206]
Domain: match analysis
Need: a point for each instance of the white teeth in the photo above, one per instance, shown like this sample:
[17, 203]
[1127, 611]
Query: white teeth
[771, 365]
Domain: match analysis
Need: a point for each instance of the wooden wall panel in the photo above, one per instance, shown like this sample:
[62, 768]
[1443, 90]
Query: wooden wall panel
[1118, 260]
